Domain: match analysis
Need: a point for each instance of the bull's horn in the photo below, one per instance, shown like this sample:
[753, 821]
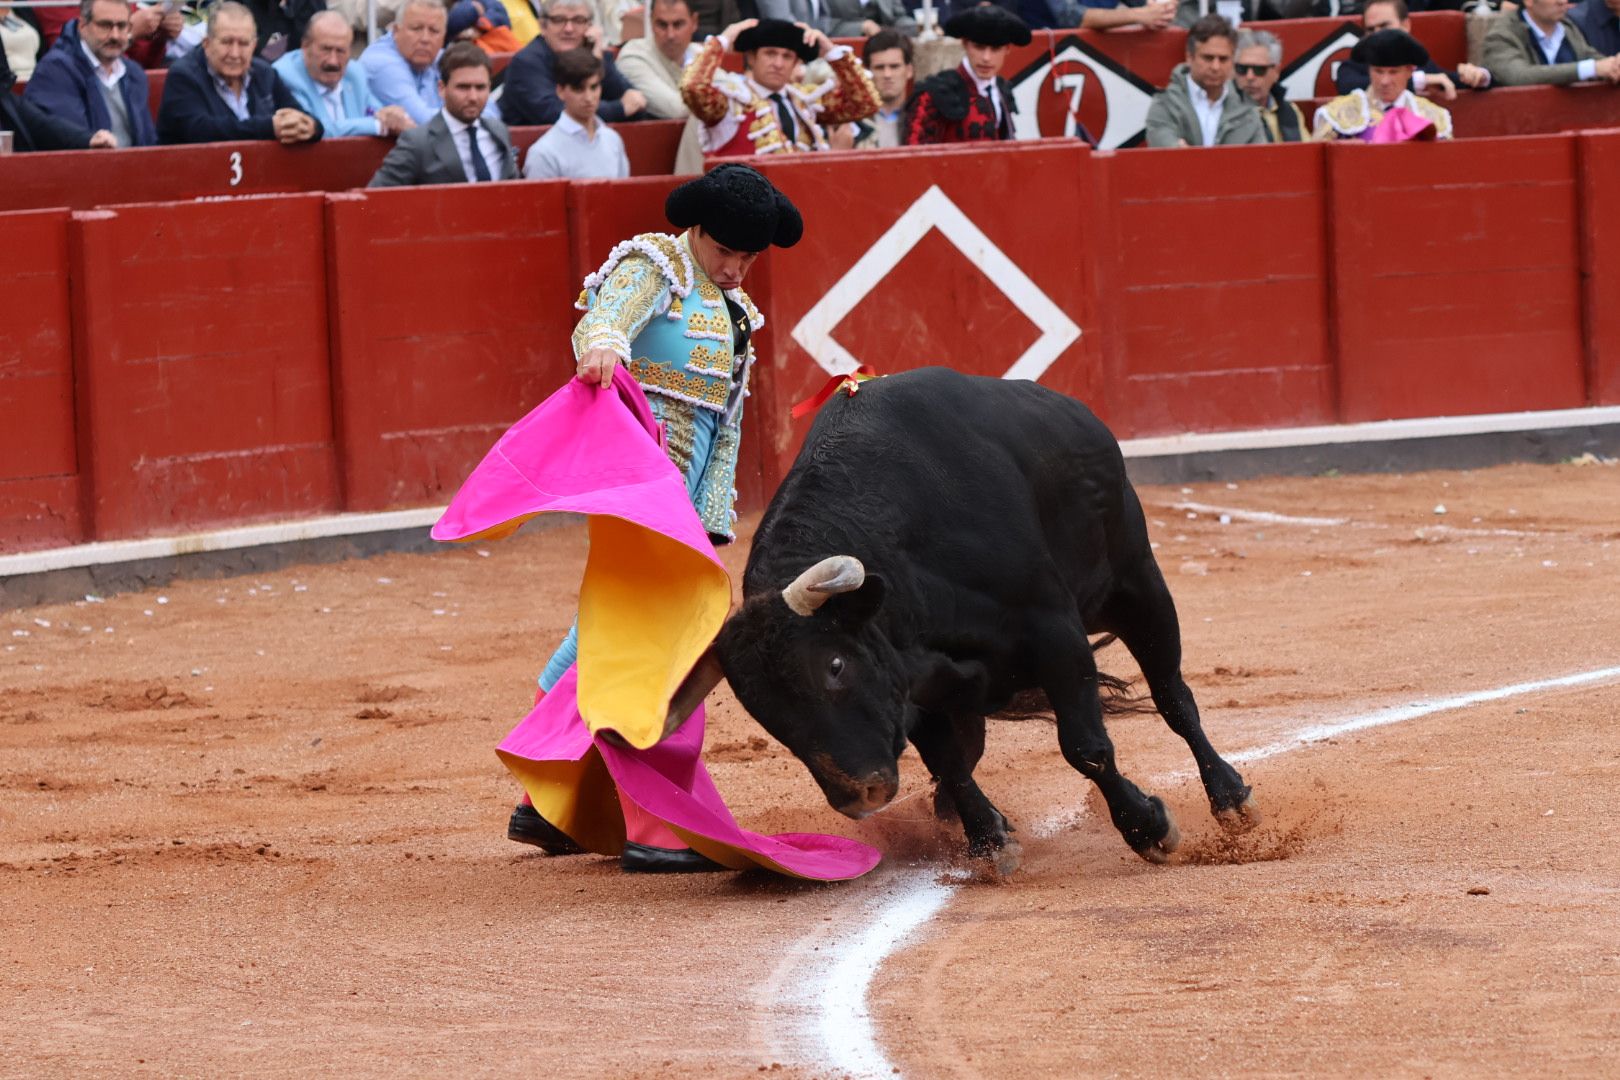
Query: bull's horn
[703, 677]
[836, 574]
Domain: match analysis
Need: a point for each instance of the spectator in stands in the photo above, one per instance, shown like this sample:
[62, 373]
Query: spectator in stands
[762, 110]
[1539, 44]
[579, 146]
[1258, 66]
[458, 144]
[714, 16]
[1393, 15]
[841, 18]
[653, 65]
[531, 97]
[281, 24]
[523, 16]
[1117, 15]
[399, 65]
[484, 22]
[1189, 12]
[1386, 111]
[20, 40]
[1599, 21]
[31, 129]
[328, 86]
[887, 56]
[150, 30]
[86, 82]
[1200, 106]
[970, 102]
[223, 92]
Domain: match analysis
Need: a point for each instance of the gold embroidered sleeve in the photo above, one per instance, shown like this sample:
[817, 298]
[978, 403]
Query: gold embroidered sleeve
[624, 304]
[697, 84]
[854, 98]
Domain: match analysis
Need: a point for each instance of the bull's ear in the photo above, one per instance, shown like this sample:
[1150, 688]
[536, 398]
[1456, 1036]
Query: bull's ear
[851, 610]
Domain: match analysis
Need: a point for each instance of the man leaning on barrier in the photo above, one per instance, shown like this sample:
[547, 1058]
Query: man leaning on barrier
[402, 66]
[1539, 45]
[222, 92]
[323, 80]
[86, 82]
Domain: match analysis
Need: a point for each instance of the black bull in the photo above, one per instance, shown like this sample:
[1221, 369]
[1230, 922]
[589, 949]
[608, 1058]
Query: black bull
[943, 543]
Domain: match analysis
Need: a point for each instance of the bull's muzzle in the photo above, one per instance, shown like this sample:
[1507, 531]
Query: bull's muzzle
[867, 795]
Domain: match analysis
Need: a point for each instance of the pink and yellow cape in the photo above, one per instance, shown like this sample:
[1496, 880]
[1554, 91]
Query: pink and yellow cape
[652, 600]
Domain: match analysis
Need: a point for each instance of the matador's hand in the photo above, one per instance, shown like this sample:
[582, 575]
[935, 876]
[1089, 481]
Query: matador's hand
[595, 368]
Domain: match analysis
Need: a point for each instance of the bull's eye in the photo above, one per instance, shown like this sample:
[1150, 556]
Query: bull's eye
[836, 668]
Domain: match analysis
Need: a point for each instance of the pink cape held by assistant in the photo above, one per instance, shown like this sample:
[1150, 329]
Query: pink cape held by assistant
[652, 600]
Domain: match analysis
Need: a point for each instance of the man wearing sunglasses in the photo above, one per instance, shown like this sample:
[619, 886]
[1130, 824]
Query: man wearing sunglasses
[531, 95]
[85, 80]
[1258, 65]
[1200, 106]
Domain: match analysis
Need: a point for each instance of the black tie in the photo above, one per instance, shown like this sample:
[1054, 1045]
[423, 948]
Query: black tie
[784, 117]
[480, 166]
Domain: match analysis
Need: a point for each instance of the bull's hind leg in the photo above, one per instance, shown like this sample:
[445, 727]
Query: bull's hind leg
[1069, 677]
[951, 748]
[1144, 616]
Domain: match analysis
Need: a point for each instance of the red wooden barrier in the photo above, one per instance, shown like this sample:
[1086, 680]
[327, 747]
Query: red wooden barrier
[451, 320]
[936, 261]
[603, 212]
[39, 472]
[1212, 290]
[85, 179]
[202, 369]
[1599, 200]
[1457, 277]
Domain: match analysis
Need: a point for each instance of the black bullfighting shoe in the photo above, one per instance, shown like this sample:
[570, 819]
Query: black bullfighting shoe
[646, 859]
[528, 827]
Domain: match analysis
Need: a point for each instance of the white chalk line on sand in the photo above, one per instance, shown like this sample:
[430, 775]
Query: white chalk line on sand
[840, 1025]
[1266, 517]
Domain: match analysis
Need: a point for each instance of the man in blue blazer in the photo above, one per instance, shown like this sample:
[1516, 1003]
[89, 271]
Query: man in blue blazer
[222, 92]
[85, 81]
[332, 89]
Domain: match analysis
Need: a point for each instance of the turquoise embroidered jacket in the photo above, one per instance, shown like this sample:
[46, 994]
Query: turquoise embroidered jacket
[652, 305]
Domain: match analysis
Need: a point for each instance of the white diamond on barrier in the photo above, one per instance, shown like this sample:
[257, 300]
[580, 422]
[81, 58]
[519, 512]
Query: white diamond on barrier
[934, 210]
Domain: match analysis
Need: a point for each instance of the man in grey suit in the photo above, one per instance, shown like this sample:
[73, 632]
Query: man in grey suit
[1540, 44]
[459, 144]
[842, 18]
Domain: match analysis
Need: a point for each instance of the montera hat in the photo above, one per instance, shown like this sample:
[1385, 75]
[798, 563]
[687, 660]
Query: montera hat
[778, 32]
[1390, 48]
[988, 24]
[737, 207]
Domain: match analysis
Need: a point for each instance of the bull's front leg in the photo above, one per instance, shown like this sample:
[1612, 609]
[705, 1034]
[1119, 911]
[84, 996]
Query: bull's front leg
[951, 747]
[1069, 676]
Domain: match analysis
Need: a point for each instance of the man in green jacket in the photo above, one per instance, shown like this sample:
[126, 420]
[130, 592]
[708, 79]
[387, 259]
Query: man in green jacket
[1201, 106]
[1539, 44]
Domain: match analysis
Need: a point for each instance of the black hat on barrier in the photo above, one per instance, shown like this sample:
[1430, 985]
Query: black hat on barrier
[1390, 48]
[738, 207]
[778, 32]
[988, 24]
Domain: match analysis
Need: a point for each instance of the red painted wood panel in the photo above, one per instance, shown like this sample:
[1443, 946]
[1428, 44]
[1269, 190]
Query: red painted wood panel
[451, 321]
[1600, 263]
[920, 258]
[39, 481]
[202, 365]
[1213, 290]
[1457, 270]
[83, 179]
[603, 212]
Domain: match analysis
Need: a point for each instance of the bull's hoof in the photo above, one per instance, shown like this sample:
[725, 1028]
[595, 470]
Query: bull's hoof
[945, 806]
[1159, 851]
[1006, 859]
[1241, 818]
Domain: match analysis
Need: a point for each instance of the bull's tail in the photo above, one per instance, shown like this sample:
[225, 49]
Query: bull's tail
[1118, 699]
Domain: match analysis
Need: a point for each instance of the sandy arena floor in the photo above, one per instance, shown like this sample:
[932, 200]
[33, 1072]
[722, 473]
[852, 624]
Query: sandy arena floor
[256, 826]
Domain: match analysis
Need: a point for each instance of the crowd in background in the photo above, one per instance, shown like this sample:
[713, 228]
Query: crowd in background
[295, 71]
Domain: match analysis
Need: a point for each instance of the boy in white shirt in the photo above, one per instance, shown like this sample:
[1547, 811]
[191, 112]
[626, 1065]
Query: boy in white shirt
[578, 146]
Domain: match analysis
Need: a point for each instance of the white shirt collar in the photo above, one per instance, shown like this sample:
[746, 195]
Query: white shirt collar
[985, 86]
[456, 126]
[1199, 96]
[766, 94]
[569, 126]
[109, 81]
